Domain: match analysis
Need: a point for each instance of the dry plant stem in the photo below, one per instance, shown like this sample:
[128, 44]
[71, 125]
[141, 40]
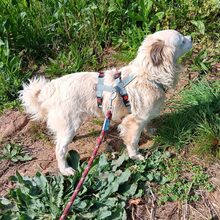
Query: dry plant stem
[207, 205]
[176, 208]
[215, 205]
[186, 211]
[132, 212]
[148, 211]
[179, 212]
[40, 167]
[210, 207]
[153, 209]
[25, 163]
[204, 217]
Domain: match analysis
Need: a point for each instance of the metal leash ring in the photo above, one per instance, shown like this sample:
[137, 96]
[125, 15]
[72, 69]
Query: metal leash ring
[112, 97]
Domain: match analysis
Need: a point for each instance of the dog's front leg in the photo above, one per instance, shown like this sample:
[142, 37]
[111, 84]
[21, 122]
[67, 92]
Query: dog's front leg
[130, 131]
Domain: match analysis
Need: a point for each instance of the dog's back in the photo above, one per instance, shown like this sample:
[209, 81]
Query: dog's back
[41, 96]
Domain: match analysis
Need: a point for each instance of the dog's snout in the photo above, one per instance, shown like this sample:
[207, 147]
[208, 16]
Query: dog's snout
[189, 38]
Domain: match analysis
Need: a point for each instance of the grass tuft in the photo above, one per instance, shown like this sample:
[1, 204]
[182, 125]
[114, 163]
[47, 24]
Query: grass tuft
[194, 119]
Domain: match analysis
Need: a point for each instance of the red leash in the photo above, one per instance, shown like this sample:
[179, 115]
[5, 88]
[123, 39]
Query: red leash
[105, 128]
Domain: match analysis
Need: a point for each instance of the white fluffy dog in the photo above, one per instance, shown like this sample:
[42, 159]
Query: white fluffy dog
[65, 102]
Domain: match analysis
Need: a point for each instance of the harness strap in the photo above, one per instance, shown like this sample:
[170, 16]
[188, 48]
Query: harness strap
[99, 90]
[118, 88]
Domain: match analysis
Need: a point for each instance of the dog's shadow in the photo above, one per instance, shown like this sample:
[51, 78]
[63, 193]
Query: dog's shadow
[112, 139]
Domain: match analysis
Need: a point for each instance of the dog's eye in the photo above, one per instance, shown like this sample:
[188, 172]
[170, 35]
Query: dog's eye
[183, 42]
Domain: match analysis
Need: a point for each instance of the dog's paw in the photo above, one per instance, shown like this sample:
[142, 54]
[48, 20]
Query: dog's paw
[150, 131]
[68, 171]
[137, 157]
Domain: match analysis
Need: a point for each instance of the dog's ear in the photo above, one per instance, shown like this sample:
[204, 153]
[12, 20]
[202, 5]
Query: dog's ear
[156, 52]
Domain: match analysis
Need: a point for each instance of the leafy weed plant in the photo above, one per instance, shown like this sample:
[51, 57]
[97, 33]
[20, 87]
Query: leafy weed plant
[105, 193]
[14, 153]
[183, 179]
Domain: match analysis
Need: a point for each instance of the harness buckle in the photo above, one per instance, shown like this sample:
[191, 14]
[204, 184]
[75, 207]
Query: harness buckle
[118, 88]
[125, 100]
[99, 102]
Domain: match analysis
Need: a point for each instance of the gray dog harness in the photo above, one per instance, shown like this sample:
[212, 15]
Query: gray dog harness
[118, 88]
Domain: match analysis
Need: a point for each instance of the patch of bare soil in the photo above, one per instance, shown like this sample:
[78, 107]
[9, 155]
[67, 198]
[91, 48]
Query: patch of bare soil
[15, 127]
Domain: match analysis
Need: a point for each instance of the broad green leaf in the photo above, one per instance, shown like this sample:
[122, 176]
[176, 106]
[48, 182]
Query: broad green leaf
[130, 189]
[159, 15]
[23, 158]
[112, 187]
[14, 159]
[88, 215]
[110, 202]
[112, 7]
[150, 176]
[41, 181]
[163, 180]
[117, 163]
[102, 162]
[104, 213]
[14, 152]
[73, 159]
[200, 25]
[5, 201]
[124, 176]
[111, 177]
[1, 42]
[82, 205]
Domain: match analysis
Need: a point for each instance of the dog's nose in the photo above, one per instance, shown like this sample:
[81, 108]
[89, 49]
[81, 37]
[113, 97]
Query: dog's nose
[189, 38]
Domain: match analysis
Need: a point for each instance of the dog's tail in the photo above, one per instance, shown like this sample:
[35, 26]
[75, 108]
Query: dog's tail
[29, 97]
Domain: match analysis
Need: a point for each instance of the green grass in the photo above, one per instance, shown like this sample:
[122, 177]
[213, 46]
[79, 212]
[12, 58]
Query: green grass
[66, 36]
[10, 76]
[194, 119]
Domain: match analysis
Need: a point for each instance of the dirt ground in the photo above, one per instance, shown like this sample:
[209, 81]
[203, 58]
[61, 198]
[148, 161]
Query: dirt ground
[15, 127]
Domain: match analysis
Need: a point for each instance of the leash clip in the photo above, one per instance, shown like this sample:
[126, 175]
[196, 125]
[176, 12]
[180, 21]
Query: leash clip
[113, 96]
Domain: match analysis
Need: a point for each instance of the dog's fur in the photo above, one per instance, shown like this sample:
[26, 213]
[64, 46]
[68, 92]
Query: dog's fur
[65, 102]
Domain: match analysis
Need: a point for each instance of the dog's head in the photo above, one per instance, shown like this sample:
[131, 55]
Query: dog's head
[167, 44]
[157, 56]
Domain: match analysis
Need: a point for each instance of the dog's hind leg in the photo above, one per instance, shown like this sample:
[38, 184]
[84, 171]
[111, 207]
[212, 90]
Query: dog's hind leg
[65, 129]
[61, 150]
[130, 131]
